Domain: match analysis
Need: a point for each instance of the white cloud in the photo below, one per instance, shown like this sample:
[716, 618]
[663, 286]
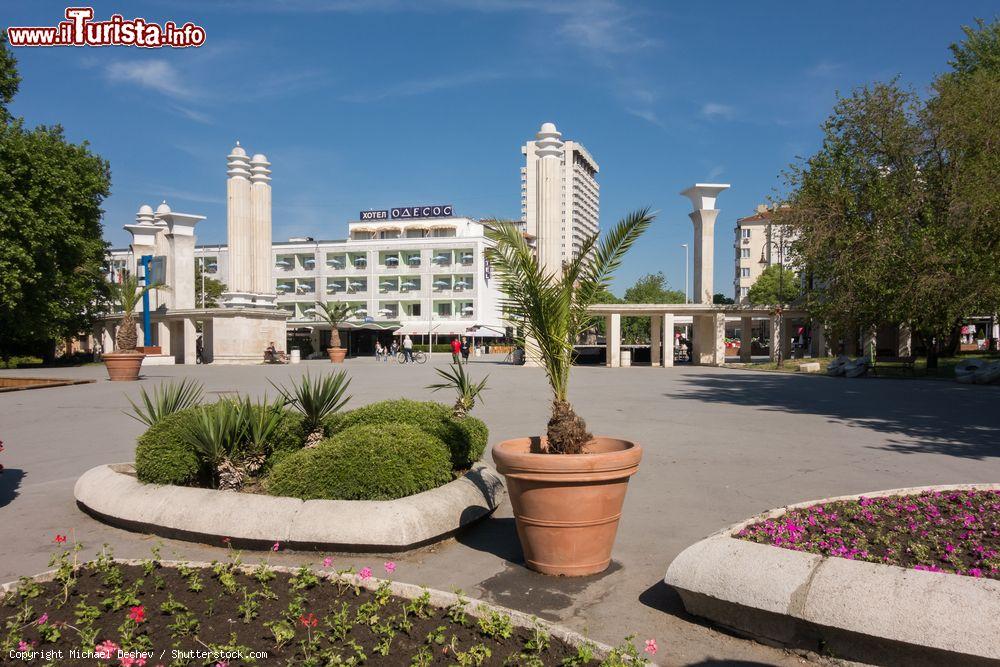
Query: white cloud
[422, 86]
[647, 115]
[716, 171]
[157, 75]
[716, 110]
[824, 68]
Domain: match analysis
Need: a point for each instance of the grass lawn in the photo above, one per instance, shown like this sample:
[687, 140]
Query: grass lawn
[944, 371]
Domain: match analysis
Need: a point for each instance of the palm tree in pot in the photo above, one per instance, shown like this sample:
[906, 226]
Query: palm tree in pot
[567, 488]
[333, 313]
[124, 296]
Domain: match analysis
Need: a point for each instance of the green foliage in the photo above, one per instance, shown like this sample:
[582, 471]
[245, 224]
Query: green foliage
[261, 421]
[365, 462]
[51, 245]
[163, 455]
[548, 306]
[215, 433]
[775, 285]
[167, 399]
[721, 299]
[979, 51]
[124, 297]
[211, 296]
[333, 313]
[467, 389]
[317, 398]
[650, 288]
[466, 438]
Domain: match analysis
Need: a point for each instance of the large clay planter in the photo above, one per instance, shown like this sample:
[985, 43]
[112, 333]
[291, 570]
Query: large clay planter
[337, 354]
[567, 506]
[123, 366]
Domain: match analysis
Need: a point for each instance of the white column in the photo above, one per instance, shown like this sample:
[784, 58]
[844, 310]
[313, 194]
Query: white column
[239, 287]
[719, 333]
[775, 338]
[746, 339]
[145, 236]
[180, 256]
[668, 340]
[703, 197]
[904, 342]
[613, 337]
[655, 339]
[549, 204]
[190, 342]
[260, 215]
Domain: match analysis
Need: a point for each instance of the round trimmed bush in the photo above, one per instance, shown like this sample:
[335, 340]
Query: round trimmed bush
[364, 462]
[290, 434]
[163, 457]
[466, 438]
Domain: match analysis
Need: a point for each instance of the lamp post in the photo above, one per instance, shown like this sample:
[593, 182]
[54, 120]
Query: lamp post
[685, 246]
[202, 262]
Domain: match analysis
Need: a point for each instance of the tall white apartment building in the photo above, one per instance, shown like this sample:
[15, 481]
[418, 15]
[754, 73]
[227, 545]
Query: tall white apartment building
[581, 193]
[756, 248]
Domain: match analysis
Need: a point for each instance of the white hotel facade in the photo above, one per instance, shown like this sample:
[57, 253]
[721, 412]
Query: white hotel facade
[417, 276]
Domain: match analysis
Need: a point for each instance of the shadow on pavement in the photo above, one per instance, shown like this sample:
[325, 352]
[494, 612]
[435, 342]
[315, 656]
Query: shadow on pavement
[10, 481]
[497, 536]
[933, 417]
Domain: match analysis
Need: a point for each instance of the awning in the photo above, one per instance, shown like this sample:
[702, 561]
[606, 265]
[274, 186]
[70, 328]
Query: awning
[387, 325]
[450, 329]
[443, 226]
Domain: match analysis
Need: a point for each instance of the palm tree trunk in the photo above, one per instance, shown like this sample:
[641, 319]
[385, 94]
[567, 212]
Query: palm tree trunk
[126, 337]
[567, 432]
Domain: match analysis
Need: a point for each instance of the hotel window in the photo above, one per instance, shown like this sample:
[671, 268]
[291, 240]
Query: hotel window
[413, 310]
[745, 272]
[744, 292]
[745, 253]
[745, 232]
[444, 310]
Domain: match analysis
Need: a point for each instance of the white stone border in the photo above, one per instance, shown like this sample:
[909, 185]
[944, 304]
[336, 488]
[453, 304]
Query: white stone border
[111, 494]
[441, 599]
[862, 611]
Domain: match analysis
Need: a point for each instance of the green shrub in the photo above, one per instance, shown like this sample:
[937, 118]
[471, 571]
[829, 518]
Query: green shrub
[466, 438]
[291, 433]
[163, 455]
[364, 462]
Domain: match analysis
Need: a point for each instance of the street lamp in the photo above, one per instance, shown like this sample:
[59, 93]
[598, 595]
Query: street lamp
[685, 246]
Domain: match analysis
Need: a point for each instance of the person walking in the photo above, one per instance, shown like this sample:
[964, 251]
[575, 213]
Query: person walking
[394, 348]
[407, 349]
[379, 351]
[466, 348]
[456, 350]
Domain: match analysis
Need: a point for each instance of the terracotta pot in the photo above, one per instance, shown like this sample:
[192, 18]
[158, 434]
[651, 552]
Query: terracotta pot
[123, 366]
[567, 506]
[149, 349]
[337, 354]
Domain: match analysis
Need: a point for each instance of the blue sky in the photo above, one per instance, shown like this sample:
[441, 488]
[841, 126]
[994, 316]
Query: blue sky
[390, 102]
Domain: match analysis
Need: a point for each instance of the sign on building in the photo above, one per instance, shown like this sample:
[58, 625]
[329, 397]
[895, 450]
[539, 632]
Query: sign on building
[410, 212]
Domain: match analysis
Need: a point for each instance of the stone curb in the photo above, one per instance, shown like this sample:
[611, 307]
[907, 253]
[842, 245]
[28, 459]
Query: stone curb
[111, 494]
[856, 610]
[441, 599]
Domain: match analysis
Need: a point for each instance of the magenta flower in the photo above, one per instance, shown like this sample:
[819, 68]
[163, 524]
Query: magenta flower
[651, 647]
[42, 619]
[106, 649]
[23, 646]
[327, 562]
[275, 546]
[390, 567]
[365, 573]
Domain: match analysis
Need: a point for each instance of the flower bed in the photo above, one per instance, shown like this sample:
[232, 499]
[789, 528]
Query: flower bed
[140, 613]
[940, 531]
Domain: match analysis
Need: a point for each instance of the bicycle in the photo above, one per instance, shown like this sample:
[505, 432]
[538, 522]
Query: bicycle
[418, 357]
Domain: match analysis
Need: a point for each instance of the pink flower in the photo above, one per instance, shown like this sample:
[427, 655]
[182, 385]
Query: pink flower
[222, 663]
[651, 647]
[390, 567]
[975, 572]
[106, 649]
[42, 619]
[137, 614]
[327, 562]
[23, 646]
[365, 573]
[60, 539]
[275, 546]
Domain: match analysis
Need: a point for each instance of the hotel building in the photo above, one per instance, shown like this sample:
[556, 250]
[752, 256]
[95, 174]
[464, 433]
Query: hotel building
[580, 191]
[417, 276]
[756, 248]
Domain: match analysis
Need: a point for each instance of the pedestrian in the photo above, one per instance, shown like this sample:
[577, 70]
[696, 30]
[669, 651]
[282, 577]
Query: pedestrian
[379, 351]
[456, 350]
[407, 349]
[466, 347]
[394, 348]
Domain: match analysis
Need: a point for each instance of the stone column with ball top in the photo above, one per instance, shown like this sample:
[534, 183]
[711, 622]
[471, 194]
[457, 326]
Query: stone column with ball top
[708, 345]
[238, 229]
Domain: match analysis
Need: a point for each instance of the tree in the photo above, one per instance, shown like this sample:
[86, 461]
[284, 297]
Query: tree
[333, 313]
[51, 247]
[775, 286]
[650, 288]
[721, 299]
[213, 289]
[124, 298]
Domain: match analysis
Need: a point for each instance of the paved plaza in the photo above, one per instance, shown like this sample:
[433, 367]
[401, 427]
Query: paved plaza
[720, 445]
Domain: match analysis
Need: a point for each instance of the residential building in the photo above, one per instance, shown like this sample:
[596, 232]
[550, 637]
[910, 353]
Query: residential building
[580, 191]
[420, 277]
[756, 248]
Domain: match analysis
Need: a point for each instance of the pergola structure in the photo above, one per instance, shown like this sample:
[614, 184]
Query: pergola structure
[708, 343]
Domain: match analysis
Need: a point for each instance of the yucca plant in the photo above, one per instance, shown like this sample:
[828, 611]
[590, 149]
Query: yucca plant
[167, 399]
[549, 306]
[260, 420]
[316, 398]
[125, 296]
[217, 433]
[333, 313]
[467, 389]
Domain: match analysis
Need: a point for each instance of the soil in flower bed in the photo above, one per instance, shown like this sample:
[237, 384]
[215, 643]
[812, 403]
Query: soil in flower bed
[155, 613]
[941, 531]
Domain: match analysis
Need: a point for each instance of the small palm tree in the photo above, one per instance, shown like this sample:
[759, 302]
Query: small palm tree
[125, 296]
[333, 313]
[468, 390]
[550, 307]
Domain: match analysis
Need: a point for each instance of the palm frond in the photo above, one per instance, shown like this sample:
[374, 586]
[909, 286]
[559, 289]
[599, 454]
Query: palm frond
[316, 398]
[260, 420]
[333, 312]
[166, 399]
[465, 387]
[215, 434]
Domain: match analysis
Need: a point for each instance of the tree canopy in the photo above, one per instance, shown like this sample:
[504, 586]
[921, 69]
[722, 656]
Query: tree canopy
[650, 288]
[775, 285]
[212, 292]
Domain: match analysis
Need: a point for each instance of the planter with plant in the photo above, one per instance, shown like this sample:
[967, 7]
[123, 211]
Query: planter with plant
[124, 363]
[567, 488]
[333, 314]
